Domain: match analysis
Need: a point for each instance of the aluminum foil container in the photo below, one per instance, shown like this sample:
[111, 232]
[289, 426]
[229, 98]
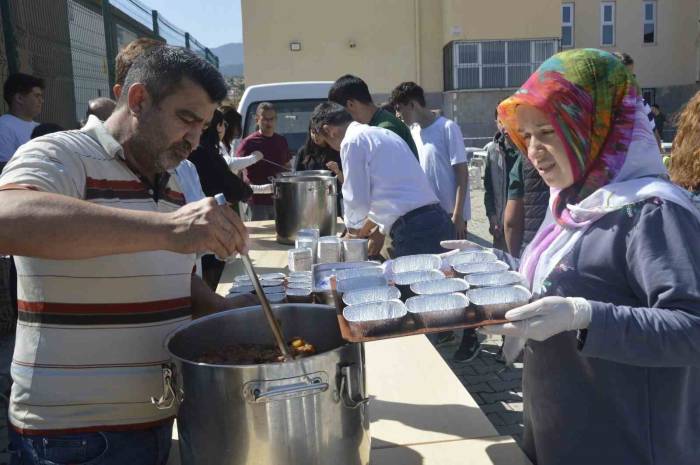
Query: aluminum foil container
[460, 244]
[271, 282]
[299, 295]
[463, 269]
[375, 318]
[410, 277]
[276, 297]
[300, 259]
[440, 310]
[306, 243]
[299, 285]
[329, 250]
[492, 303]
[359, 272]
[241, 288]
[416, 263]
[309, 232]
[272, 290]
[265, 276]
[300, 274]
[243, 278]
[354, 250]
[439, 286]
[472, 256]
[361, 282]
[371, 294]
[502, 278]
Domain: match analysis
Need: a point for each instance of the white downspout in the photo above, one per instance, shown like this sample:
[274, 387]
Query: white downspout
[416, 9]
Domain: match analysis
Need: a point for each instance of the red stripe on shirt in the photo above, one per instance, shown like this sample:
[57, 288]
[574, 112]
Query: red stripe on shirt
[92, 308]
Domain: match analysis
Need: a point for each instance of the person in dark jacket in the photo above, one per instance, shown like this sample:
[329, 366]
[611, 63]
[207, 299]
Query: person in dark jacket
[500, 158]
[612, 361]
[528, 201]
[216, 177]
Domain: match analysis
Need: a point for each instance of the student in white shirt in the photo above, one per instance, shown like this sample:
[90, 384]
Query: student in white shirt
[444, 160]
[441, 153]
[384, 185]
[25, 96]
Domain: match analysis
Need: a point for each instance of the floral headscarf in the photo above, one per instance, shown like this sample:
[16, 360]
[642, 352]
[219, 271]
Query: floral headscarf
[590, 99]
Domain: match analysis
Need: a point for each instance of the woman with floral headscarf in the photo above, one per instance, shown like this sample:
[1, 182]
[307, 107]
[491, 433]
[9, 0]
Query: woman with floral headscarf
[612, 363]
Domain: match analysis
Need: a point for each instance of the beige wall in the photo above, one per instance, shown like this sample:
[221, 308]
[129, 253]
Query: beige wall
[671, 61]
[383, 32]
[391, 45]
[500, 19]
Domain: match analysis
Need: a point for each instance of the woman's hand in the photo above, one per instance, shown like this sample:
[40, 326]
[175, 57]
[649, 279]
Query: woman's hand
[333, 166]
[545, 318]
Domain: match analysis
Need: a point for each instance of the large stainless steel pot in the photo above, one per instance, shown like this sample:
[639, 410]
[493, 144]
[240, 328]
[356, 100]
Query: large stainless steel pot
[304, 202]
[310, 411]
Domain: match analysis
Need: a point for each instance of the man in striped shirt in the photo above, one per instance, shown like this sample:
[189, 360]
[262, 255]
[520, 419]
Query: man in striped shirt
[105, 246]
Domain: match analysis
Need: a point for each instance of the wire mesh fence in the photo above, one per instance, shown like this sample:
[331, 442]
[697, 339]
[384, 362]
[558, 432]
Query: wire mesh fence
[72, 44]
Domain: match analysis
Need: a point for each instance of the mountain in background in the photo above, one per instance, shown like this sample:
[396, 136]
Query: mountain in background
[230, 59]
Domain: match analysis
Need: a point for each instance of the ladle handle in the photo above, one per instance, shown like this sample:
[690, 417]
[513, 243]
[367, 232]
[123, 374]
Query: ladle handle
[276, 330]
[267, 310]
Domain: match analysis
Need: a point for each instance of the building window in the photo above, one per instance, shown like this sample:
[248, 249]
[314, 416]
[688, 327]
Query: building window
[567, 25]
[607, 23]
[494, 64]
[649, 21]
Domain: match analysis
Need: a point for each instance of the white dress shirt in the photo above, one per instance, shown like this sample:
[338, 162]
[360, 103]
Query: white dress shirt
[383, 180]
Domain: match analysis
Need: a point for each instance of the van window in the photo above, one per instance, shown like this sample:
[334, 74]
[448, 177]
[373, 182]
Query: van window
[292, 119]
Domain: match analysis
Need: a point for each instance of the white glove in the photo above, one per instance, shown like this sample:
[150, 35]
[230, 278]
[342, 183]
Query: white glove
[544, 318]
[257, 155]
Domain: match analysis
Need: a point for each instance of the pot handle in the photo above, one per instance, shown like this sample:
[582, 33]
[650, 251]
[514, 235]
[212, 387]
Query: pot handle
[351, 393]
[271, 391]
[172, 393]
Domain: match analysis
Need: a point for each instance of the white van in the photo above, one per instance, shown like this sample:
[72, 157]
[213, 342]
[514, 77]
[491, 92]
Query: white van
[294, 101]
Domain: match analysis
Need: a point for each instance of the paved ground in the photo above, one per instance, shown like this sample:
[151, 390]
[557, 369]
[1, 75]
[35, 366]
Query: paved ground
[495, 388]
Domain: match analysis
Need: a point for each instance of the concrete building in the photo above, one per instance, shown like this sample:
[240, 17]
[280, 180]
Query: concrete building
[467, 55]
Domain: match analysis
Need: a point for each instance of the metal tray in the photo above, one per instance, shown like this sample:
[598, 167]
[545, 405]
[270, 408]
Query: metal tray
[440, 310]
[492, 303]
[299, 296]
[462, 269]
[472, 256]
[372, 294]
[375, 318]
[422, 262]
[439, 286]
[271, 282]
[499, 279]
[266, 276]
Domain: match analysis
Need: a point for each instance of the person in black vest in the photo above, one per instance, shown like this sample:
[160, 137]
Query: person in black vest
[528, 200]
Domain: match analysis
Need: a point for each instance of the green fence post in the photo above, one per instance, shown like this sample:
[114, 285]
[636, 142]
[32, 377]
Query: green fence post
[156, 26]
[110, 40]
[10, 41]
[187, 40]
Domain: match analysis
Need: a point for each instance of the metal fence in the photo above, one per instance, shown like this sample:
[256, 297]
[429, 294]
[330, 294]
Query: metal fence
[72, 45]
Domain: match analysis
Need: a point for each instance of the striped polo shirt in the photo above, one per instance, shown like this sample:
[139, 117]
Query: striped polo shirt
[90, 333]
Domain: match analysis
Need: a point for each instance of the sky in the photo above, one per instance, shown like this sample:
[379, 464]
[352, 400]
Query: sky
[211, 22]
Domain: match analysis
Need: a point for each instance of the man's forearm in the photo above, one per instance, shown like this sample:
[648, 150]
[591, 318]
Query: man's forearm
[514, 225]
[462, 178]
[52, 226]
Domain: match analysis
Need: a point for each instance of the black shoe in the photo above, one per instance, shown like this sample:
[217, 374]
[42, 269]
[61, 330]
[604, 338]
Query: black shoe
[445, 338]
[468, 349]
